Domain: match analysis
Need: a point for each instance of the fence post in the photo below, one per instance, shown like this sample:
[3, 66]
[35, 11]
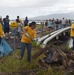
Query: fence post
[14, 43]
[42, 27]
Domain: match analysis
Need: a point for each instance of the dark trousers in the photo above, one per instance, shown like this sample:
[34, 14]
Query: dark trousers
[25, 25]
[23, 47]
[73, 42]
[0, 40]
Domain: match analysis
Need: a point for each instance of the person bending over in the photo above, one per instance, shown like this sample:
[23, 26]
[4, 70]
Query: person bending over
[28, 36]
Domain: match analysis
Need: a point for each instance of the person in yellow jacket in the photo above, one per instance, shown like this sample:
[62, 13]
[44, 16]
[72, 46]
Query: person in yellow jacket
[27, 37]
[72, 33]
[1, 32]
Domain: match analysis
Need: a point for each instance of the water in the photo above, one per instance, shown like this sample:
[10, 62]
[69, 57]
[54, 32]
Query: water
[38, 22]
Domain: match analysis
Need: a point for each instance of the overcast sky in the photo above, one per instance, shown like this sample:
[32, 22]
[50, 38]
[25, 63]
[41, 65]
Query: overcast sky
[33, 8]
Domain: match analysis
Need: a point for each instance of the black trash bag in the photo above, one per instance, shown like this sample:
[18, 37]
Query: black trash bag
[49, 59]
[52, 59]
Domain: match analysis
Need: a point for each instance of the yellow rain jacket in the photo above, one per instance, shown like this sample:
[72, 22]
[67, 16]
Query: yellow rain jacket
[1, 31]
[72, 30]
[31, 32]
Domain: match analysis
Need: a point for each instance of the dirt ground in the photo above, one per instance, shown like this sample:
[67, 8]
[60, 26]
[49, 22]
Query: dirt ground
[11, 43]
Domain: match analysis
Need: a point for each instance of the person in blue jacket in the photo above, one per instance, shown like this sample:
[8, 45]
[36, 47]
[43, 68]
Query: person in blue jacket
[26, 21]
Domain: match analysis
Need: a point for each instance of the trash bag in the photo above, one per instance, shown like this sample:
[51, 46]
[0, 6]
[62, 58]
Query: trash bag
[53, 57]
[49, 59]
[5, 49]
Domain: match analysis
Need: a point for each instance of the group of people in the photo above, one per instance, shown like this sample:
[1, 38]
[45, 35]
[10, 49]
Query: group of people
[6, 25]
[5, 49]
[57, 24]
[52, 24]
[29, 34]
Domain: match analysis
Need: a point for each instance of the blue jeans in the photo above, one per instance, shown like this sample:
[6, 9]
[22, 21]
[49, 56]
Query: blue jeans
[23, 47]
[63, 25]
[57, 26]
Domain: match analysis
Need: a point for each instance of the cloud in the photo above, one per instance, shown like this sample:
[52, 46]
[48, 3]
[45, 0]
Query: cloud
[34, 8]
[27, 3]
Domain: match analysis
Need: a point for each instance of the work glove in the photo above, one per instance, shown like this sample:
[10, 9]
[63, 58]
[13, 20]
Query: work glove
[34, 39]
[27, 35]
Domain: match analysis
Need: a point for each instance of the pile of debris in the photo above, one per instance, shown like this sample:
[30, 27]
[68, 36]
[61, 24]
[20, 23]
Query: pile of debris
[55, 54]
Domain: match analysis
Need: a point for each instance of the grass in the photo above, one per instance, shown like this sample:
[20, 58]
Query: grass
[12, 64]
[38, 26]
[49, 71]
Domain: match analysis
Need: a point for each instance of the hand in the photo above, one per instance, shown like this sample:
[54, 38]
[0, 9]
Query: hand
[3, 36]
[27, 35]
[34, 39]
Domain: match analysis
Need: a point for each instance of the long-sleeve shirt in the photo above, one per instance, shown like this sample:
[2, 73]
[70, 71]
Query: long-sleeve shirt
[31, 32]
[1, 31]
